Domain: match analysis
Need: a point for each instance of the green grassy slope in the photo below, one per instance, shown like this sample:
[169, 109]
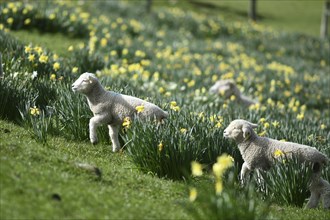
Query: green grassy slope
[56, 42]
[291, 16]
[35, 177]
[39, 182]
[43, 181]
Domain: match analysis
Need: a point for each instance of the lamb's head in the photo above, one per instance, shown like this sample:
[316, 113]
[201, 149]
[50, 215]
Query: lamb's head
[239, 130]
[85, 83]
[225, 88]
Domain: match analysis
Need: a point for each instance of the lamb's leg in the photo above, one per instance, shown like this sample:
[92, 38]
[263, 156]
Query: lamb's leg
[113, 133]
[326, 194]
[244, 172]
[326, 200]
[313, 200]
[93, 124]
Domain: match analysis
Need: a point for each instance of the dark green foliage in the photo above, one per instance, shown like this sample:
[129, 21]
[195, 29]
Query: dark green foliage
[287, 182]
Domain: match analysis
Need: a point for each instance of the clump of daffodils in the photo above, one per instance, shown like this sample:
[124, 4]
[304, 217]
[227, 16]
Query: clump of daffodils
[219, 168]
[174, 106]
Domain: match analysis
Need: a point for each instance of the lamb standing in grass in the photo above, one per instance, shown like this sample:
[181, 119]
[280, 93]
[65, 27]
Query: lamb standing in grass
[228, 88]
[257, 153]
[112, 108]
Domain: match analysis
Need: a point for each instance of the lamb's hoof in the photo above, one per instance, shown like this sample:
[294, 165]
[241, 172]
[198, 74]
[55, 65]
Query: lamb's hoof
[115, 150]
[94, 142]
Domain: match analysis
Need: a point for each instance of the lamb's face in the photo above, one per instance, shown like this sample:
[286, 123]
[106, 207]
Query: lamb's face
[225, 88]
[239, 130]
[84, 83]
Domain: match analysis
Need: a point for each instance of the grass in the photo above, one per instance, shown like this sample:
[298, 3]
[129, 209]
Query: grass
[171, 55]
[291, 16]
[39, 181]
[55, 42]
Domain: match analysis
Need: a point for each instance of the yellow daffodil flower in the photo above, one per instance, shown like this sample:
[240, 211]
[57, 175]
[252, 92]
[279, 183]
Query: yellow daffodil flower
[192, 194]
[53, 77]
[139, 108]
[74, 69]
[34, 111]
[278, 153]
[196, 169]
[31, 57]
[160, 146]
[43, 59]
[127, 122]
[218, 187]
[56, 66]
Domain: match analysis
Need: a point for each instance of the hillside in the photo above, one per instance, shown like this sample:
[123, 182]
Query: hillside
[170, 57]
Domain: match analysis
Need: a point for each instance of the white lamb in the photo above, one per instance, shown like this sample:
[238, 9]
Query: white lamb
[228, 88]
[258, 153]
[112, 108]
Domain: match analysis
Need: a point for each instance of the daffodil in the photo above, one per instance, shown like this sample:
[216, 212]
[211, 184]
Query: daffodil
[191, 83]
[27, 49]
[266, 125]
[278, 153]
[218, 187]
[52, 16]
[174, 106]
[127, 122]
[300, 116]
[34, 111]
[113, 53]
[276, 124]
[10, 20]
[139, 108]
[43, 59]
[31, 57]
[218, 124]
[56, 66]
[53, 76]
[27, 21]
[183, 130]
[38, 50]
[55, 56]
[70, 48]
[196, 169]
[226, 160]
[74, 69]
[161, 90]
[218, 170]
[193, 194]
[160, 146]
[104, 42]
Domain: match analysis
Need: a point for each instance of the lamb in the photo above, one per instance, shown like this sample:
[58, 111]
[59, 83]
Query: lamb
[257, 153]
[227, 88]
[112, 108]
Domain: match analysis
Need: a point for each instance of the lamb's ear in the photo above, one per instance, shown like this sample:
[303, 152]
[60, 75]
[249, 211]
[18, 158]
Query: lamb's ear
[231, 84]
[90, 78]
[247, 131]
[253, 125]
